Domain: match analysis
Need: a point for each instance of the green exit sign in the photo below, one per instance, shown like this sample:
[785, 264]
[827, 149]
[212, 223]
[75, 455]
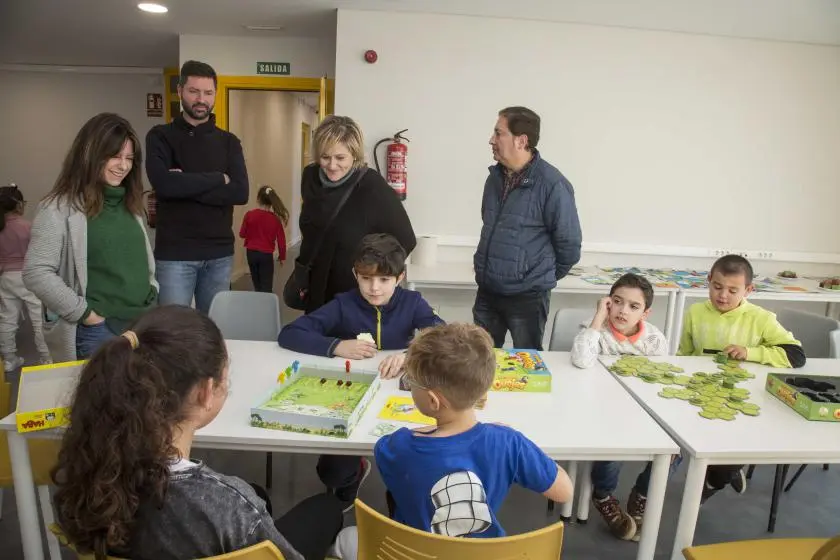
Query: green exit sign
[275, 68]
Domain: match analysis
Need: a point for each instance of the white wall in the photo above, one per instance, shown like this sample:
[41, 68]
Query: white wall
[41, 113]
[669, 138]
[238, 56]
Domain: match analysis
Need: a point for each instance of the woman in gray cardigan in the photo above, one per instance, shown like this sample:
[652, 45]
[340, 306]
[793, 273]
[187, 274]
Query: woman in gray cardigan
[89, 259]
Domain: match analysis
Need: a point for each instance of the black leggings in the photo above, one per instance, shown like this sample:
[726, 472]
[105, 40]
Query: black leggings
[311, 526]
[262, 270]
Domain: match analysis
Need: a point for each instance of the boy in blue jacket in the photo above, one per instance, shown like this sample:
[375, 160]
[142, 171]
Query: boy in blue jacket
[378, 315]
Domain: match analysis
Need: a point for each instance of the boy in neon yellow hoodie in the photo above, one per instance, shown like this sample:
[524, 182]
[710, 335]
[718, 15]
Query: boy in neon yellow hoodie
[728, 323]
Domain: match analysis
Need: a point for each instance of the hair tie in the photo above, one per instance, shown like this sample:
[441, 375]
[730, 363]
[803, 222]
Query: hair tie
[131, 336]
[268, 189]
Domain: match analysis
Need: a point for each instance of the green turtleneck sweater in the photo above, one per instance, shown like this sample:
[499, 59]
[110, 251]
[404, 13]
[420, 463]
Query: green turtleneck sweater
[117, 264]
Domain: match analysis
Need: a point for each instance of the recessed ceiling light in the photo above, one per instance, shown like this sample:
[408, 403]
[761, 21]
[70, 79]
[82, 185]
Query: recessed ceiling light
[153, 8]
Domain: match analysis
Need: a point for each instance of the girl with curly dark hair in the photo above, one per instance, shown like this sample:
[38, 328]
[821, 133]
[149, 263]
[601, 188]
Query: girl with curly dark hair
[125, 483]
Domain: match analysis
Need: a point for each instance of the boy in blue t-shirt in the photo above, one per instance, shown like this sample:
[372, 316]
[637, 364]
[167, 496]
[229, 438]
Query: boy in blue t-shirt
[379, 315]
[452, 478]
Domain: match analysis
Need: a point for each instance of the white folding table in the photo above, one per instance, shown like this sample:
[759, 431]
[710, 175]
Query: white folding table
[777, 436]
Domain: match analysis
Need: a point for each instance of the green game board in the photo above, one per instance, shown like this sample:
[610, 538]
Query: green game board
[715, 393]
[308, 395]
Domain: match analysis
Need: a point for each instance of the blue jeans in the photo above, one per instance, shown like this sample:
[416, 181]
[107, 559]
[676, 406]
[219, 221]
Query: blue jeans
[524, 315]
[90, 337]
[605, 477]
[180, 281]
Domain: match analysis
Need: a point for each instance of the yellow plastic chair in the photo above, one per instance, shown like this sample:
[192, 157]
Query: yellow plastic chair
[43, 454]
[381, 537]
[265, 550]
[777, 549]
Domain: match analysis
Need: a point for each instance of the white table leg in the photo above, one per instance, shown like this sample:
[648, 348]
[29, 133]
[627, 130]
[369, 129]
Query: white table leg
[653, 510]
[566, 510]
[669, 316]
[27, 505]
[690, 508]
[49, 519]
[585, 492]
[679, 313]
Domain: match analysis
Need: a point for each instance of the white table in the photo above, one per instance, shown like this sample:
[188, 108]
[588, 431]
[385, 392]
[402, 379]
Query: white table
[568, 424]
[816, 296]
[461, 276]
[777, 436]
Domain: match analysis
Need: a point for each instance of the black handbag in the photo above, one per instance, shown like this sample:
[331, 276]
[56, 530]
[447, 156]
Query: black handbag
[296, 290]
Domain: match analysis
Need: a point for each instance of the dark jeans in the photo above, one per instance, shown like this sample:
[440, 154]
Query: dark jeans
[524, 315]
[90, 337]
[339, 471]
[718, 476]
[311, 526]
[262, 270]
[605, 477]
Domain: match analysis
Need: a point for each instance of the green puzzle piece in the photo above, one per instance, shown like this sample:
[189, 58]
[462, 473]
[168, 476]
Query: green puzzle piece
[716, 393]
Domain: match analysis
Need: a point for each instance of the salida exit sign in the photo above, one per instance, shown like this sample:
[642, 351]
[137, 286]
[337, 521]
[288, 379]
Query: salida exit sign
[274, 68]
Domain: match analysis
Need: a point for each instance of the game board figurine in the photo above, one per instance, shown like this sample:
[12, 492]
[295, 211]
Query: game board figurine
[323, 380]
[339, 382]
[367, 337]
[348, 384]
[295, 365]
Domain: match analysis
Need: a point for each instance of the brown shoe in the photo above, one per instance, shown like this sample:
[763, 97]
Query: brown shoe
[636, 509]
[620, 523]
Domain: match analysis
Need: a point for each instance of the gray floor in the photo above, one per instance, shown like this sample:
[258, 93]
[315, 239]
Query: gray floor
[811, 509]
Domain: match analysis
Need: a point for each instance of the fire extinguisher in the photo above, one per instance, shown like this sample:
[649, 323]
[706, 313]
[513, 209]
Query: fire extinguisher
[396, 172]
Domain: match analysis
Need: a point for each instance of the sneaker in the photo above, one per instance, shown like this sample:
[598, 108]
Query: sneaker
[347, 494]
[13, 363]
[738, 481]
[708, 492]
[636, 509]
[621, 525]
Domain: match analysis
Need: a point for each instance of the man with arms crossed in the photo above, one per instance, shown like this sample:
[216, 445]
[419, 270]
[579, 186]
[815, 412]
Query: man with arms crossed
[198, 174]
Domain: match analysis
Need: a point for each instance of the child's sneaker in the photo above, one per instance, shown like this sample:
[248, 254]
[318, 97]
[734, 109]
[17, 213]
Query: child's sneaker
[12, 363]
[621, 525]
[738, 481]
[348, 493]
[636, 509]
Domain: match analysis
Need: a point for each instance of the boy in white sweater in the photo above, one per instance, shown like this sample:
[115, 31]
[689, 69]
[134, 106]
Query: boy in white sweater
[619, 327]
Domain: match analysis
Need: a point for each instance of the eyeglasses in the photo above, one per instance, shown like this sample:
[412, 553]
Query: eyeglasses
[412, 383]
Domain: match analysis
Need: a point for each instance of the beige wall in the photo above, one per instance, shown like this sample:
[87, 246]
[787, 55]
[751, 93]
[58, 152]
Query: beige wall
[41, 113]
[269, 125]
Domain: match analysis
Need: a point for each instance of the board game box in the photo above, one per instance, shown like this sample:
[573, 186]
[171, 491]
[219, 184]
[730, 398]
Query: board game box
[44, 396]
[816, 397]
[317, 399]
[521, 371]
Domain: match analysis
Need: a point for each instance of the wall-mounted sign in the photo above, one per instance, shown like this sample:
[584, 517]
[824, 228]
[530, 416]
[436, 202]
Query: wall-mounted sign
[275, 68]
[154, 104]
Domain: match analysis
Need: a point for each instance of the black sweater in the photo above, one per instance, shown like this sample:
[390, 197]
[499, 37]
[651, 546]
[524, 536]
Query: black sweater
[372, 208]
[195, 206]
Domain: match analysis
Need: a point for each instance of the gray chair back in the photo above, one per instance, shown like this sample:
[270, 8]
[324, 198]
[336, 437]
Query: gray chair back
[567, 324]
[812, 330]
[247, 315]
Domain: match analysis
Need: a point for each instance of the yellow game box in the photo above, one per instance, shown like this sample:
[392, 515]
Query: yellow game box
[45, 394]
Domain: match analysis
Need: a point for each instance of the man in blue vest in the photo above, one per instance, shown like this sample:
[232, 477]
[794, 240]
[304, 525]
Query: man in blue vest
[530, 237]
